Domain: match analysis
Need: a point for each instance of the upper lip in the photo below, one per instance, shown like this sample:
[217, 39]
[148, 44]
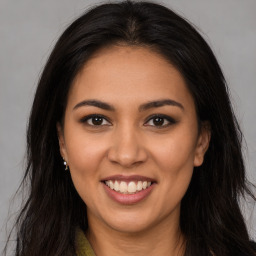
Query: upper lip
[128, 178]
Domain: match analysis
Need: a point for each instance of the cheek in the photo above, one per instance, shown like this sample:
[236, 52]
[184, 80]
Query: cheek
[84, 151]
[85, 155]
[175, 153]
[85, 159]
[176, 166]
[175, 159]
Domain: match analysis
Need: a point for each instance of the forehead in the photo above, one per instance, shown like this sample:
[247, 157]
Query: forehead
[128, 74]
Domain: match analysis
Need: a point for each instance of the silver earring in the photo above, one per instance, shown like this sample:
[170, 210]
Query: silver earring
[66, 165]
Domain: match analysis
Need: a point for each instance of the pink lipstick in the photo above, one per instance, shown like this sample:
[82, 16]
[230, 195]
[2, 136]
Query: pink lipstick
[128, 190]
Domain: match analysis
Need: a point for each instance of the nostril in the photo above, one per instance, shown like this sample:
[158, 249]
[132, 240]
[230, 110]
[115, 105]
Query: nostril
[127, 157]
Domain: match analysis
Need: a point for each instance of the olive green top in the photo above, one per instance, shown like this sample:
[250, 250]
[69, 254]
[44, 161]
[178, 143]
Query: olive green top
[83, 247]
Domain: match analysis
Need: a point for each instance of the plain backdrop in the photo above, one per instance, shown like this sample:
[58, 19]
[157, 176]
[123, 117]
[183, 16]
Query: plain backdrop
[28, 31]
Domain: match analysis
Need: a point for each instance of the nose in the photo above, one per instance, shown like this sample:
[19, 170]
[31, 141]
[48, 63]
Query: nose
[127, 148]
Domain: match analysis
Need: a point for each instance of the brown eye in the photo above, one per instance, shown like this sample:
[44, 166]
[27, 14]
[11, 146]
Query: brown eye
[95, 120]
[158, 121]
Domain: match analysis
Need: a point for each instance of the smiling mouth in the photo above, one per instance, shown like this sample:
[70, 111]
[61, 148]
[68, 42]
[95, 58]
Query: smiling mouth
[125, 187]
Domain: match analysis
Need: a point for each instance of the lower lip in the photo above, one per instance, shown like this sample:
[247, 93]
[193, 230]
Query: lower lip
[128, 199]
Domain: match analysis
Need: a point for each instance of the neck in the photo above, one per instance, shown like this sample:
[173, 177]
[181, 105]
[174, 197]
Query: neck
[162, 239]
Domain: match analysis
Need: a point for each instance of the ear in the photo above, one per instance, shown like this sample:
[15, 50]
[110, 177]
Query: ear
[202, 143]
[62, 144]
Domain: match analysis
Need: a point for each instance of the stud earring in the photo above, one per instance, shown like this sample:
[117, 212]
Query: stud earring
[66, 165]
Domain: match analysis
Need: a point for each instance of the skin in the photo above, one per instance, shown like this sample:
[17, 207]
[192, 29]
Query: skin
[128, 142]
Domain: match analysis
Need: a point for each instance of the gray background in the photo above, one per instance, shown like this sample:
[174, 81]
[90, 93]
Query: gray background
[29, 29]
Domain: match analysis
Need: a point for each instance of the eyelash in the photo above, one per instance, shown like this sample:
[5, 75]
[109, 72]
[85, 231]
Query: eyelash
[163, 118]
[87, 118]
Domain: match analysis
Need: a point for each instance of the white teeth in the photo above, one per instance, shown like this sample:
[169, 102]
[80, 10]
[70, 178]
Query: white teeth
[123, 187]
[139, 185]
[144, 185]
[111, 184]
[127, 187]
[132, 187]
[116, 186]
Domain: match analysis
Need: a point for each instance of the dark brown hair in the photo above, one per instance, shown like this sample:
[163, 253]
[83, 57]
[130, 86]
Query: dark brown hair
[210, 216]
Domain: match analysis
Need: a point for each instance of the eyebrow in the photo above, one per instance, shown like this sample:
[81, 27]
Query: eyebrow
[143, 107]
[95, 103]
[160, 103]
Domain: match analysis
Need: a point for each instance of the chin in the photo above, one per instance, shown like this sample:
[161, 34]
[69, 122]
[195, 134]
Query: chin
[130, 223]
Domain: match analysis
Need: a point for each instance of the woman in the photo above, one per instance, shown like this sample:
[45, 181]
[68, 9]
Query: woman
[134, 104]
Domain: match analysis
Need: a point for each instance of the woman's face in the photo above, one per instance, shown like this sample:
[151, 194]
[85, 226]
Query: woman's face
[131, 139]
